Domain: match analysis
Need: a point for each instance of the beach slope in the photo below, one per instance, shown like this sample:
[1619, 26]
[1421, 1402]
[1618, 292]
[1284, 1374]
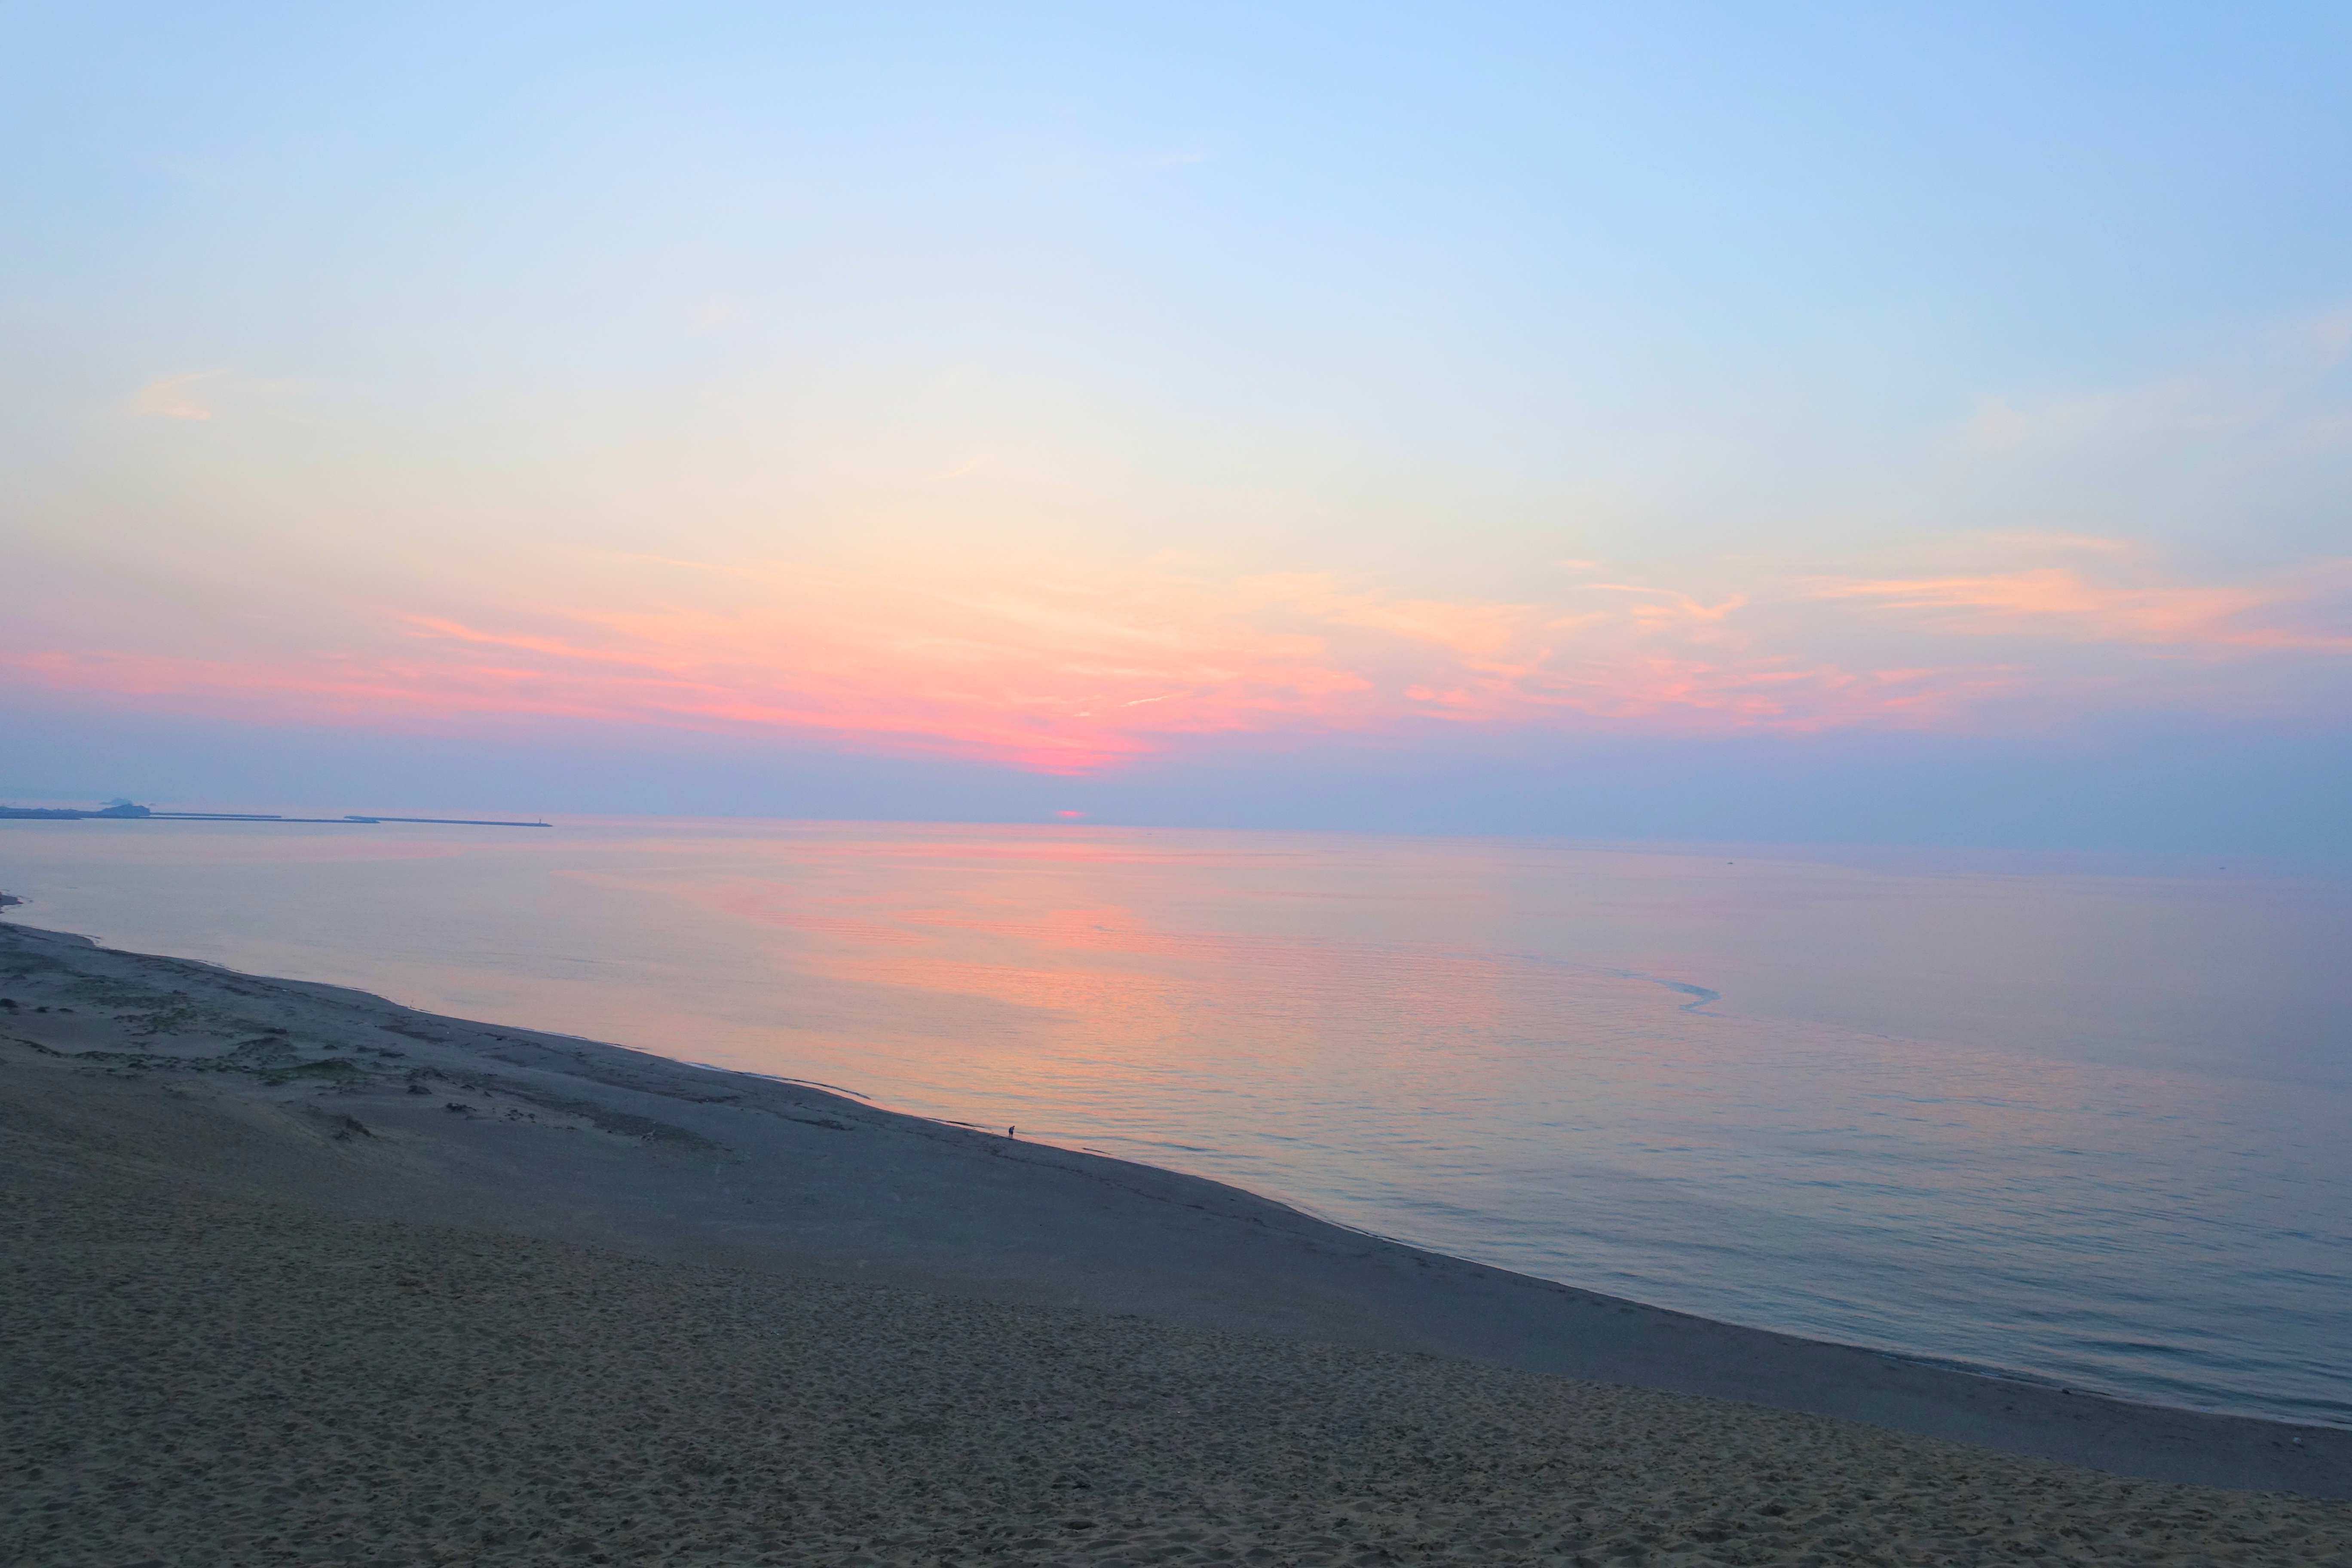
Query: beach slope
[299, 1275]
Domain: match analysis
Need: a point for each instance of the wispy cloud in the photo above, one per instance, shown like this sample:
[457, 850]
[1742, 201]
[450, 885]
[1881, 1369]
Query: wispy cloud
[1066, 673]
[1067, 669]
[1999, 425]
[178, 396]
[2310, 612]
[2270, 379]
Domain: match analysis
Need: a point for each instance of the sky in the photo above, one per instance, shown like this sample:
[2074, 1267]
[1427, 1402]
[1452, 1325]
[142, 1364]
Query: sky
[1812, 423]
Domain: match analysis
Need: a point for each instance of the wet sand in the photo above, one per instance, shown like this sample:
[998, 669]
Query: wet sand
[296, 1275]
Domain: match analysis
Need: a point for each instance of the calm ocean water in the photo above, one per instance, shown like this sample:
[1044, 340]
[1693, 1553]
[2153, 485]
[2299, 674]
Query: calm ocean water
[2089, 1121]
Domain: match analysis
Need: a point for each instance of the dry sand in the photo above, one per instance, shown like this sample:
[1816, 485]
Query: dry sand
[269, 1304]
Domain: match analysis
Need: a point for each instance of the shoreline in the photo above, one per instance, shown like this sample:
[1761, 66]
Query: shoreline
[570, 1140]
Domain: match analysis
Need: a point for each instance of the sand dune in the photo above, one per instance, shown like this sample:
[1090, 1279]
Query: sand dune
[342, 1283]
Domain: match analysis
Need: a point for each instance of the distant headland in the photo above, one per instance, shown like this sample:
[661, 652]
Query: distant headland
[125, 811]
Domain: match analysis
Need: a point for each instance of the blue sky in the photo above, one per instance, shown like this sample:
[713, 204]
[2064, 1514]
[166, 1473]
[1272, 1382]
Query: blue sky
[1210, 414]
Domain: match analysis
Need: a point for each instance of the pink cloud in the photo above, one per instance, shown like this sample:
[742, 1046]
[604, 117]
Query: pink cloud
[2060, 601]
[1070, 671]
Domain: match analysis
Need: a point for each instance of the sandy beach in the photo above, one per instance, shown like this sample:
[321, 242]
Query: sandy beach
[297, 1275]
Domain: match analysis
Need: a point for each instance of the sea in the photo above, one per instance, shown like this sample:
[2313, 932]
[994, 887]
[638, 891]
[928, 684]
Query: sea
[2080, 1119]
